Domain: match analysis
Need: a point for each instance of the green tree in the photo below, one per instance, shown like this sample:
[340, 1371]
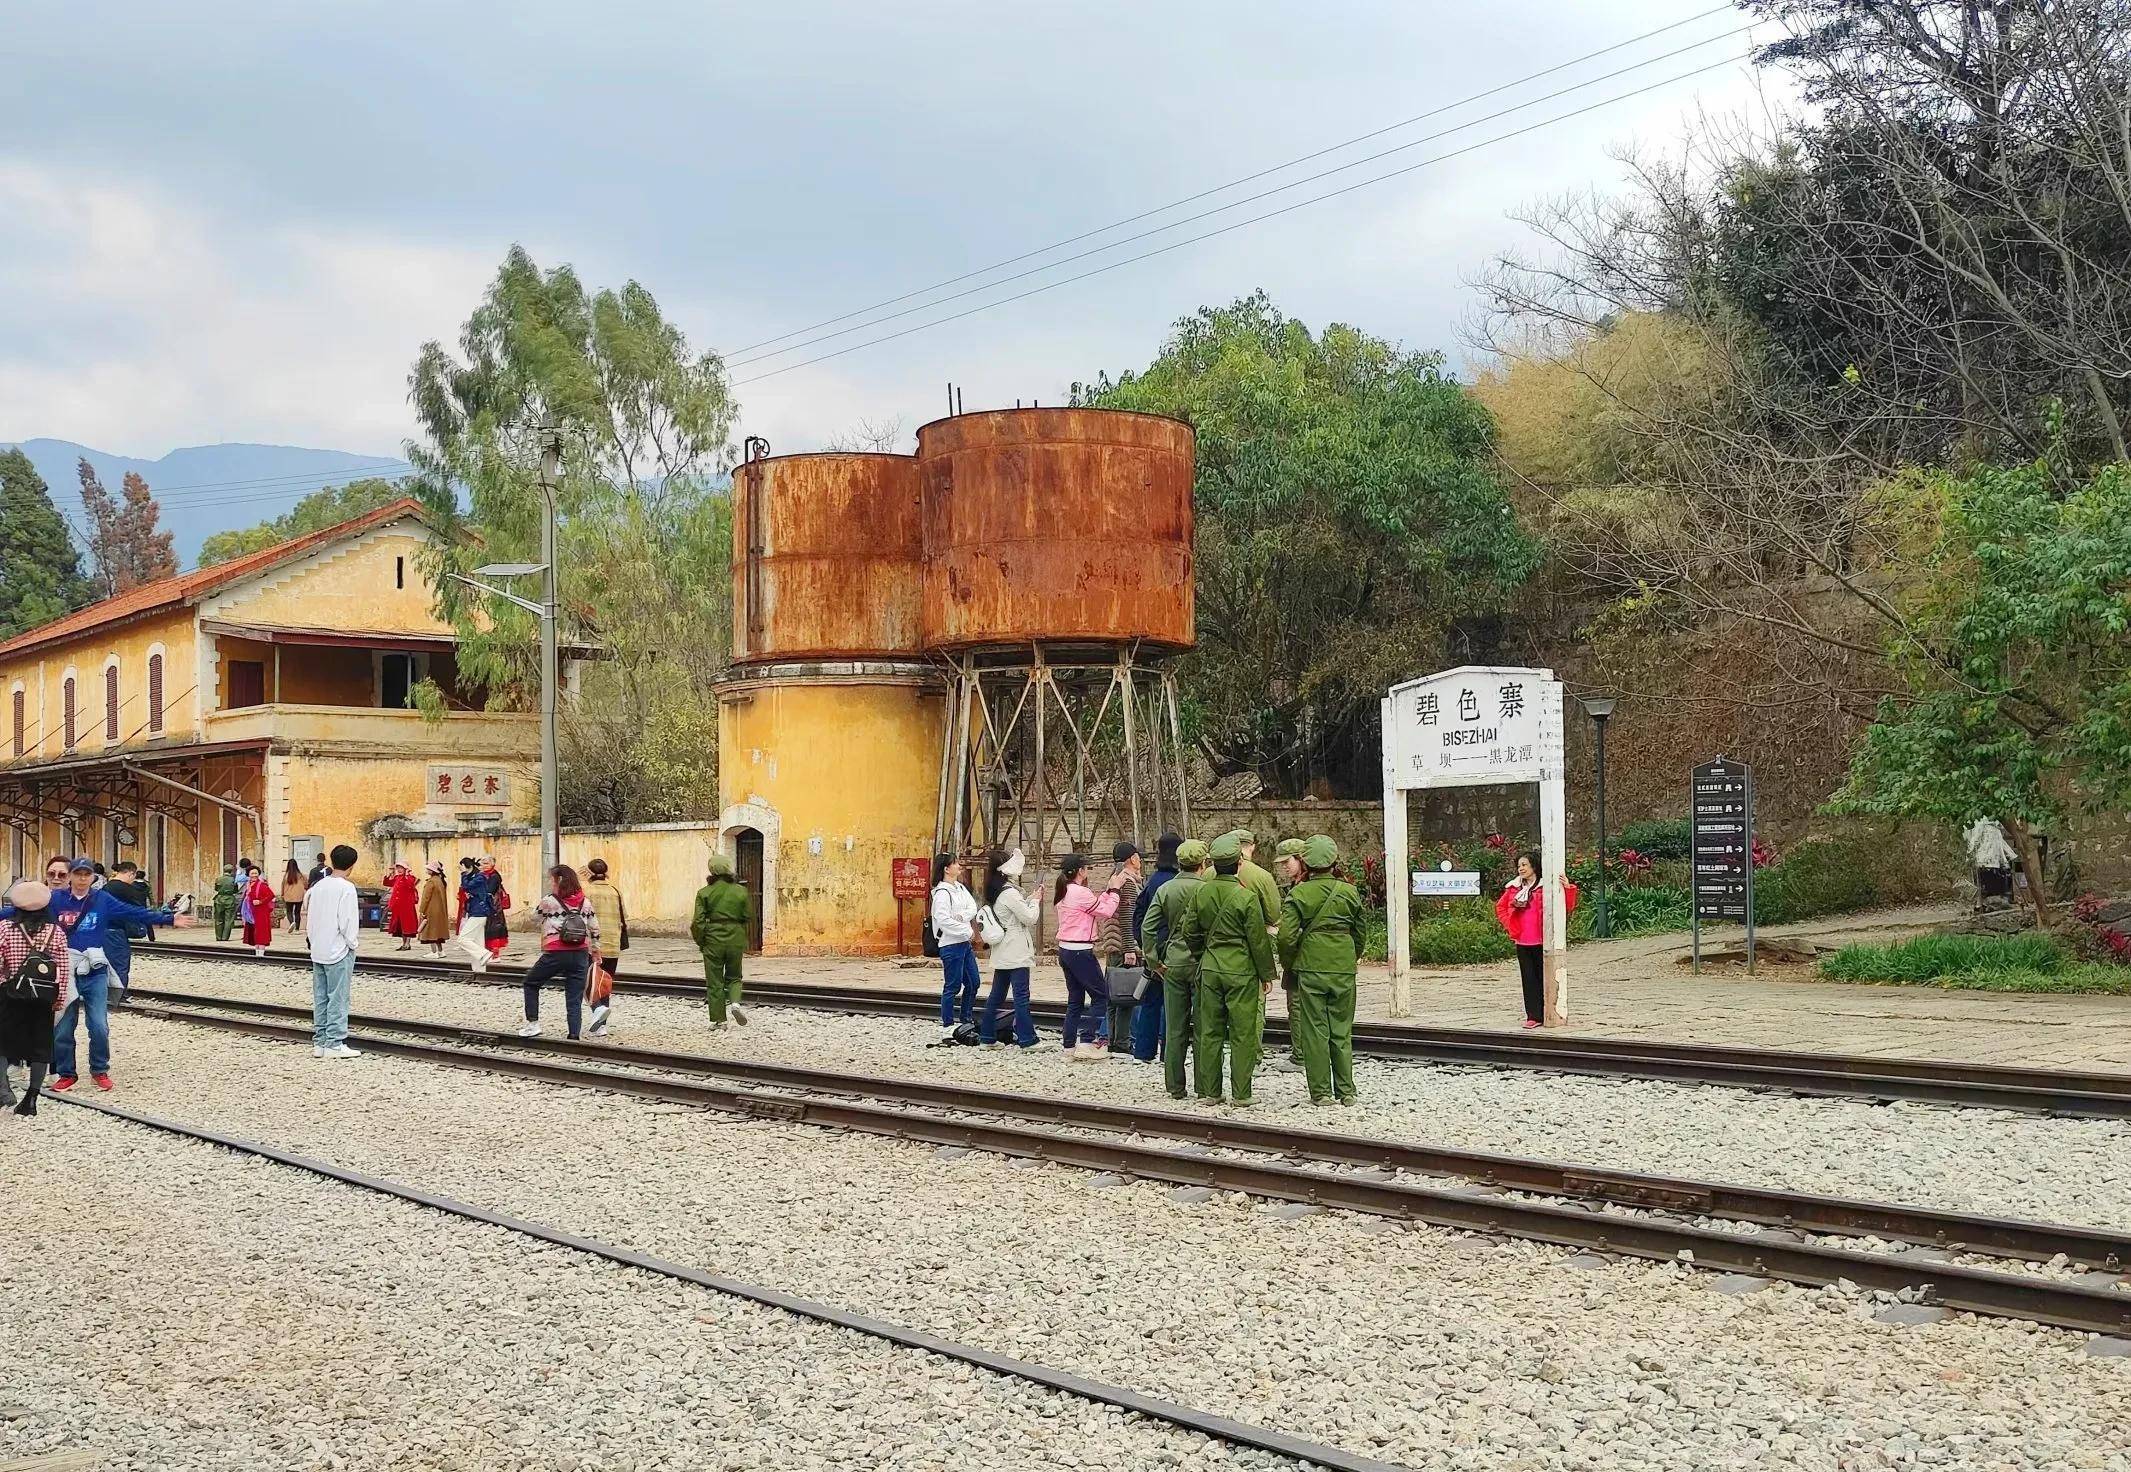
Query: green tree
[1351, 533]
[644, 530]
[40, 572]
[324, 507]
[2017, 666]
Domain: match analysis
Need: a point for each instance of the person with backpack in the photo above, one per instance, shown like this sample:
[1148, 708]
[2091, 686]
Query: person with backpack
[94, 921]
[569, 932]
[34, 973]
[496, 929]
[952, 915]
[1226, 934]
[723, 918]
[1321, 923]
[1014, 915]
[1161, 941]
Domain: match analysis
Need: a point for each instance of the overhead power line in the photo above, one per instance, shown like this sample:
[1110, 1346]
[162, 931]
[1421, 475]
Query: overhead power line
[1253, 219]
[1245, 179]
[1235, 204]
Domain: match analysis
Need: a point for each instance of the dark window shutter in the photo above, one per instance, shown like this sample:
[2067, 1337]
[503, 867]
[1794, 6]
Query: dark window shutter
[155, 693]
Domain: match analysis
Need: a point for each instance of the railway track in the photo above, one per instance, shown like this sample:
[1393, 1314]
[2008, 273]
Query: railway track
[1205, 1423]
[1664, 1218]
[2036, 1091]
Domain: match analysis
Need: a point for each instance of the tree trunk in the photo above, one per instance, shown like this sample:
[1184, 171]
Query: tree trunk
[2031, 866]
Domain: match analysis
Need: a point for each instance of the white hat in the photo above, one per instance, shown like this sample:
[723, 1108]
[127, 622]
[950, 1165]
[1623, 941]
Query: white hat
[1012, 865]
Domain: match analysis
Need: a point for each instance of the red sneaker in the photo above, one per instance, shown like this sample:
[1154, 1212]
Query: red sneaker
[61, 1084]
[1528, 1022]
[103, 1081]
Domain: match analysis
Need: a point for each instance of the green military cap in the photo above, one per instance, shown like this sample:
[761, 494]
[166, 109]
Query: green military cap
[720, 867]
[1320, 852]
[1192, 854]
[1290, 848]
[1227, 849]
[1244, 835]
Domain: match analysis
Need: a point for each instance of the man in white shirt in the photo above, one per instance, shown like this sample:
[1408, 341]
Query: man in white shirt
[332, 923]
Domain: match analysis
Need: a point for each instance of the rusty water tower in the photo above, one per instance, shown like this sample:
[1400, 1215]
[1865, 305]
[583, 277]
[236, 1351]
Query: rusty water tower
[1057, 592]
[830, 723]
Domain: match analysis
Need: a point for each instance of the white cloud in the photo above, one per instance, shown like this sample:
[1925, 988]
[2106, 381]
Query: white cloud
[138, 322]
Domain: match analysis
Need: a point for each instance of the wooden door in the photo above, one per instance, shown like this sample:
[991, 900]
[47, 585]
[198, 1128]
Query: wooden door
[747, 865]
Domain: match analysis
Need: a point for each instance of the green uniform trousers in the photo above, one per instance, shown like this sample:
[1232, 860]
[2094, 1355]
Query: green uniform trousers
[1230, 1012]
[225, 920]
[1177, 1006]
[1323, 1023]
[721, 977]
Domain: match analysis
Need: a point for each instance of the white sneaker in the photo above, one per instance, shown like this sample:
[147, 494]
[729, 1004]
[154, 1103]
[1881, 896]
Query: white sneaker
[599, 1015]
[597, 1030]
[529, 1030]
[317, 1052]
[734, 1014]
[343, 1051]
[947, 1034]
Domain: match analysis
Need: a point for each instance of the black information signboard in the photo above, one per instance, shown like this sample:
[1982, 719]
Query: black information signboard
[1723, 849]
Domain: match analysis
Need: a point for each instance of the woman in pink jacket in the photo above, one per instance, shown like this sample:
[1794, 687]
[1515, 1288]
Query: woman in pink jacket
[1522, 911]
[1080, 914]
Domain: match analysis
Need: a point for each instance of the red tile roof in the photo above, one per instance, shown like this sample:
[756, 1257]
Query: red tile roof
[190, 587]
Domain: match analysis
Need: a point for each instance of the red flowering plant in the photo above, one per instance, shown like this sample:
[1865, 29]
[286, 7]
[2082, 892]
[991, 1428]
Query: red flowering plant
[2095, 941]
[1763, 855]
[1632, 865]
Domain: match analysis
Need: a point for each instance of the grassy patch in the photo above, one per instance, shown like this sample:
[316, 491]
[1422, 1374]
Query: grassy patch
[2010, 963]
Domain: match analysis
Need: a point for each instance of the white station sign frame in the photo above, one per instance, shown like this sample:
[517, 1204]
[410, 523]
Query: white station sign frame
[1477, 726]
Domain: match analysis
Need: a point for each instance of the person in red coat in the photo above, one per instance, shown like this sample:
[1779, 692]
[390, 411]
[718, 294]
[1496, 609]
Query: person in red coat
[401, 911]
[255, 903]
[1522, 911]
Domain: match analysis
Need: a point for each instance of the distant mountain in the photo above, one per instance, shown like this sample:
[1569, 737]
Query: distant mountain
[208, 488]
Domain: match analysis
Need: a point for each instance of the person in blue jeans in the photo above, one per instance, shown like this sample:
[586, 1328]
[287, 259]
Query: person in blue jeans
[953, 917]
[1147, 1016]
[94, 921]
[1014, 955]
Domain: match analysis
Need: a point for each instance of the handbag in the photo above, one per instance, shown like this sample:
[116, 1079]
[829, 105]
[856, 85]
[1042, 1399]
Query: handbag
[1127, 983]
[37, 978]
[601, 988]
[989, 928]
[495, 928]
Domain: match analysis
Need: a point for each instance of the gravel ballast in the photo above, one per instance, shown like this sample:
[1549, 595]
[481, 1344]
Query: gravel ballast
[1422, 1346]
[2076, 1171]
[216, 1311]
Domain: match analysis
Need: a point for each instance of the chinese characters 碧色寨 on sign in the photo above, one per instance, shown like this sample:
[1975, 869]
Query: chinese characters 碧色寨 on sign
[478, 786]
[1474, 725]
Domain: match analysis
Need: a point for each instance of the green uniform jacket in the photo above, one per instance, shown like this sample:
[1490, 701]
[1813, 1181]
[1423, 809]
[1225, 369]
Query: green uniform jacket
[1321, 927]
[1224, 928]
[226, 891]
[1161, 929]
[1262, 884]
[722, 918]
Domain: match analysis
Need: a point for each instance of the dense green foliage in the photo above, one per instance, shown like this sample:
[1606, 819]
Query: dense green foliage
[40, 571]
[2012, 963]
[1460, 939]
[1351, 533]
[644, 524]
[324, 507]
[1657, 838]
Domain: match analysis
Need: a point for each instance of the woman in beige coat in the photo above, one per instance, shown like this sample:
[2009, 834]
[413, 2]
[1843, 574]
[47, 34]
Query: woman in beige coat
[434, 911]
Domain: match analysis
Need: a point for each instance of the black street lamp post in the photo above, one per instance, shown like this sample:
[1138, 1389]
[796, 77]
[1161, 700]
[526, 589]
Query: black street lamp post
[1600, 708]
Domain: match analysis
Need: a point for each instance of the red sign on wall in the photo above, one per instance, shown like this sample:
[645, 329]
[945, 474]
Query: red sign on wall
[911, 878]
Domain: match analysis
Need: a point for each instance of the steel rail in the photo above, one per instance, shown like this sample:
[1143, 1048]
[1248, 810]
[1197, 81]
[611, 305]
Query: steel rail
[1799, 1211]
[1205, 1423]
[2041, 1300]
[1833, 1075]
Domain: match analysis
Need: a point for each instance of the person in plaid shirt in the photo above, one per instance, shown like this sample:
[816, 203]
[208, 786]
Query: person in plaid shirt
[26, 1027]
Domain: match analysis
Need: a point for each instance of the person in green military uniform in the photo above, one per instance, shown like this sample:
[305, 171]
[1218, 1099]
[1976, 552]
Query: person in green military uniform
[1320, 941]
[1225, 933]
[1287, 873]
[225, 905]
[722, 920]
[1161, 944]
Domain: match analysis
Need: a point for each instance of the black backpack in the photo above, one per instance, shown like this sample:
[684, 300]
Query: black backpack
[573, 929]
[37, 978]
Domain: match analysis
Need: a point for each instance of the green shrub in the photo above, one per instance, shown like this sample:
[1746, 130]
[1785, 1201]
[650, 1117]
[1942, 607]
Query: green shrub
[1931, 957]
[1660, 838]
[1645, 909]
[1460, 940]
[1822, 876]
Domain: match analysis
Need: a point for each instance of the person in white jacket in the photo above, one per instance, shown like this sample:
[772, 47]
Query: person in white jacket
[953, 919]
[1015, 914]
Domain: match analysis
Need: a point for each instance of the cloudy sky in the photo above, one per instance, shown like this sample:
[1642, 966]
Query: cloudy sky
[240, 221]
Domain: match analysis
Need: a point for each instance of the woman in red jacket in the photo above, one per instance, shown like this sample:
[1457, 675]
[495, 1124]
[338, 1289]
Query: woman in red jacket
[258, 897]
[401, 914]
[1522, 911]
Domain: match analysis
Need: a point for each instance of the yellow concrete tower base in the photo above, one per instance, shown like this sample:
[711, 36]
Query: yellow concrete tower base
[826, 773]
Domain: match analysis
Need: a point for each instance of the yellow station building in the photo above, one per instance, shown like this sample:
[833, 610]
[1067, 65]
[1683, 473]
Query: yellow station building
[254, 709]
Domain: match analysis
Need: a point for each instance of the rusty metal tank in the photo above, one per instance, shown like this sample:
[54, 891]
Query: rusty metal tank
[1056, 526]
[827, 557]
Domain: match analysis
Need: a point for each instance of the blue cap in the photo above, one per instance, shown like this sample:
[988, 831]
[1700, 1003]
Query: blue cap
[82, 865]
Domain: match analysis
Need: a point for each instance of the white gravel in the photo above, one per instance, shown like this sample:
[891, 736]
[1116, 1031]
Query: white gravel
[2001, 1164]
[279, 1320]
[1422, 1346]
